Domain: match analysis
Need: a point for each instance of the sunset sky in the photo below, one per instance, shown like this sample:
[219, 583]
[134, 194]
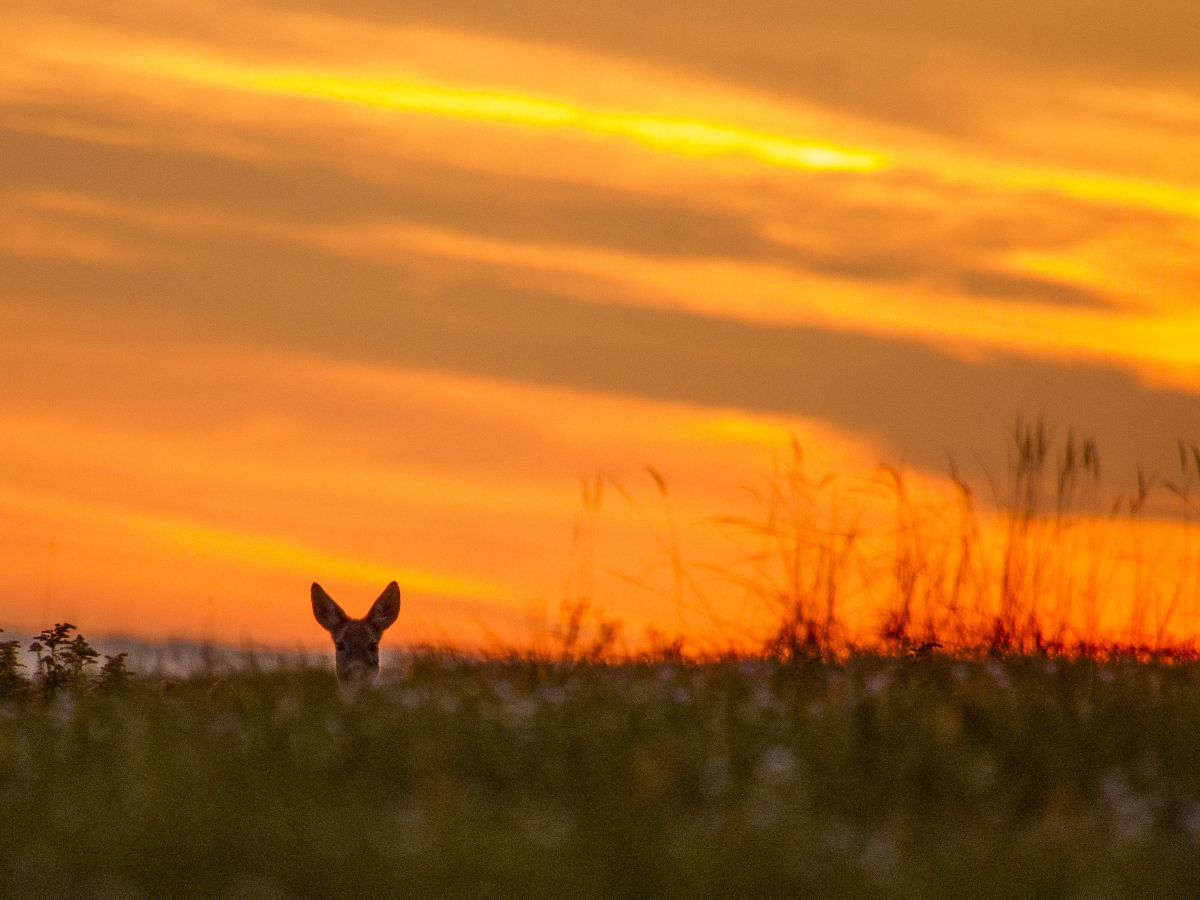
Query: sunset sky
[358, 291]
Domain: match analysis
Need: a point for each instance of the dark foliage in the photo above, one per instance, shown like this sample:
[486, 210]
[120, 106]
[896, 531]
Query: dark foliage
[909, 776]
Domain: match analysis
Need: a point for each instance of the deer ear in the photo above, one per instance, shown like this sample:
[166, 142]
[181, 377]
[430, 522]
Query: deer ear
[326, 611]
[385, 610]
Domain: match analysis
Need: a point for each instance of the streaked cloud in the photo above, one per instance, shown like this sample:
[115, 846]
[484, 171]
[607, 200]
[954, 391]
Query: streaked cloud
[684, 136]
[756, 292]
[251, 550]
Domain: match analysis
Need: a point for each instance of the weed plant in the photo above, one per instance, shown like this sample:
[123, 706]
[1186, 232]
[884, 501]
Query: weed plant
[62, 660]
[11, 680]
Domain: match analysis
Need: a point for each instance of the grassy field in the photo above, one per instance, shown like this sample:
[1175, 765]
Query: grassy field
[465, 777]
[1042, 755]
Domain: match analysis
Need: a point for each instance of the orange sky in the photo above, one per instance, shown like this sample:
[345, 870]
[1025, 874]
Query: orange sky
[334, 291]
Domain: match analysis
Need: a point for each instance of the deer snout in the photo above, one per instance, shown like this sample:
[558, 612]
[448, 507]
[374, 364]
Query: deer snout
[356, 650]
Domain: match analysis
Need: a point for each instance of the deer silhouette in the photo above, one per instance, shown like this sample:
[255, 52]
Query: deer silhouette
[356, 641]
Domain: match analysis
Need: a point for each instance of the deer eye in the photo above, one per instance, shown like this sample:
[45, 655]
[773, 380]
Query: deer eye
[341, 645]
[374, 647]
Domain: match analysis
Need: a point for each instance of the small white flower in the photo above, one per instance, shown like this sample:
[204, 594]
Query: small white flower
[748, 667]
[503, 690]
[552, 694]
[879, 855]
[1131, 817]
[522, 709]
[778, 764]
[999, 675]
[877, 684]
[1189, 821]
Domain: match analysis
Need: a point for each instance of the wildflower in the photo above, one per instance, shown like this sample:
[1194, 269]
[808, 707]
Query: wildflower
[411, 698]
[877, 684]
[878, 855]
[1189, 822]
[1130, 815]
[749, 667]
[521, 710]
[999, 675]
[778, 764]
[552, 694]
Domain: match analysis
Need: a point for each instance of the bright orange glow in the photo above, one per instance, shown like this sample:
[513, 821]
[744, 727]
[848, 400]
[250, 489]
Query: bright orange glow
[521, 313]
[675, 135]
[245, 549]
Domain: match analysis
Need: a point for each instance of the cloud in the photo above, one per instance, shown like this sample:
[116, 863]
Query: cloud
[919, 401]
[854, 266]
[376, 285]
[938, 66]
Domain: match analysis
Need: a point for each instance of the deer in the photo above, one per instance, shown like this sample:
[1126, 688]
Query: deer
[356, 641]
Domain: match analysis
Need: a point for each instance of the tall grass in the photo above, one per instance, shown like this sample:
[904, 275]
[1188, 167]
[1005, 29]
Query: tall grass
[1045, 564]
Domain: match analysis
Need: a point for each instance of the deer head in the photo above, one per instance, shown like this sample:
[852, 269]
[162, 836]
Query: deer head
[356, 640]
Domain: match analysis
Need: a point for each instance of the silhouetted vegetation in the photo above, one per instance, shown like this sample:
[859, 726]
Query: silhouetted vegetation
[61, 659]
[1050, 568]
[63, 663]
[11, 680]
[114, 674]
